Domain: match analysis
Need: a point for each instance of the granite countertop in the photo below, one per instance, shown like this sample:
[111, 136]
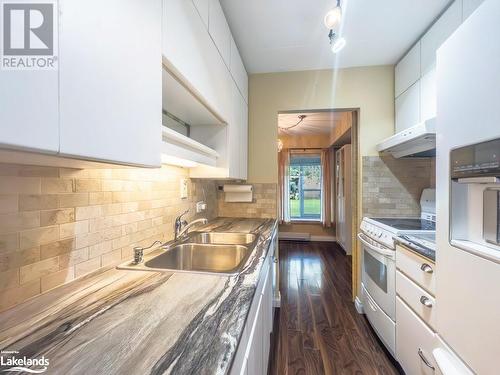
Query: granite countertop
[135, 322]
[422, 244]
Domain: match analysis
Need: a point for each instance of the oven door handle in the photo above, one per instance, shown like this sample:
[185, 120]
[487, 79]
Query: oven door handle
[378, 249]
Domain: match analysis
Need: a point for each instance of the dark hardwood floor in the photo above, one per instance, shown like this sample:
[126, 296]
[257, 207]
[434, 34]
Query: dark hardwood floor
[319, 330]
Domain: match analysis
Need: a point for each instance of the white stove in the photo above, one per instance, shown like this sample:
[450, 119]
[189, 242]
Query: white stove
[384, 230]
[379, 266]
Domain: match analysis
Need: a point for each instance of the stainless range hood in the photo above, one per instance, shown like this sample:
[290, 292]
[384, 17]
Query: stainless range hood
[419, 140]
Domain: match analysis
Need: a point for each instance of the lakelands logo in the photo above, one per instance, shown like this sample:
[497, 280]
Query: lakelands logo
[10, 361]
[29, 35]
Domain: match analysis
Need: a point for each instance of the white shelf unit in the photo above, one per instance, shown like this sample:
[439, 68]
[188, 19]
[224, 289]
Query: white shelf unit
[179, 146]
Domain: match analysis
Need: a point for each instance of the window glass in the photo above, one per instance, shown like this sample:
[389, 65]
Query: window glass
[305, 187]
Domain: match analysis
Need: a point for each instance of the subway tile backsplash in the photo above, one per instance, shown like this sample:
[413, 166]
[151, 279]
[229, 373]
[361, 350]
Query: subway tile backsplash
[392, 187]
[58, 224]
[263, 205]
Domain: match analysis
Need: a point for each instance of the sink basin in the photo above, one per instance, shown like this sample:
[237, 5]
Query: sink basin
[195, 257]
[223, 238]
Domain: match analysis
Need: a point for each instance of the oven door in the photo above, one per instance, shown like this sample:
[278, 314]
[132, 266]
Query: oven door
[379, 274]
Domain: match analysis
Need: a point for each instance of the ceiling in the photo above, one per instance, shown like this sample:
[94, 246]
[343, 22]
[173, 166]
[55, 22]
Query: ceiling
[315, 123]
[288, 35]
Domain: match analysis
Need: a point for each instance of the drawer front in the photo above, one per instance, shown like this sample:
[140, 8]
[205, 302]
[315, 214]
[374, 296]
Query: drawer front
[380, 322]
[418, 299]
[417, 268]
[414, 342]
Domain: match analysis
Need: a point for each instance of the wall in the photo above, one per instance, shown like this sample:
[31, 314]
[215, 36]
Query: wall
[371, 89]
[368, 89]
[59, 224]
[392, 187]
[264, 203]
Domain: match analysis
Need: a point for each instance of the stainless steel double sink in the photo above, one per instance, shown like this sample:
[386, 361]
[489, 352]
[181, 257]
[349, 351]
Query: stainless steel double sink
[200, 252]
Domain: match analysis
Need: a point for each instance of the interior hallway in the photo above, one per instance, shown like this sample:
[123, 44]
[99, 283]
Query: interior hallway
[320, 331]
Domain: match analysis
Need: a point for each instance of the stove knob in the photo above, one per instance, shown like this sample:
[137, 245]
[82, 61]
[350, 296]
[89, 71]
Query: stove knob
[379, 235]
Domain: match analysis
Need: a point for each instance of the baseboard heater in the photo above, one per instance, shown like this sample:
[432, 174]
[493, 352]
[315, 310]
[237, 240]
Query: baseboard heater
[292, 236]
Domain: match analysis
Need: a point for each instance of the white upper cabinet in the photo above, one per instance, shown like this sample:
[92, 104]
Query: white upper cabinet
[29, 110]
[202, 8]
[110, 80]
[428, 99]
[407, 70]
[243, 139]
[219, 30]
[238, 70]
[408, 108]
[190, 53]
[469, 7]
[438, 33]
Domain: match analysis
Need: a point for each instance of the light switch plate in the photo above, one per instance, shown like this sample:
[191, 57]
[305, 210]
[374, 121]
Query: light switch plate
[184, 188]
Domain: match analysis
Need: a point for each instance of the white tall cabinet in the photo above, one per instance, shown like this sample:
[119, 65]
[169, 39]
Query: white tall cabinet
[103, 101]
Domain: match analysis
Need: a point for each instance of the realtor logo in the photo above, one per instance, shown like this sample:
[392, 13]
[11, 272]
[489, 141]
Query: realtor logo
[29, 35]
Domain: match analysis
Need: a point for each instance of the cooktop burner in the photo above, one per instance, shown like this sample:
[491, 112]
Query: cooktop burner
[407, 224]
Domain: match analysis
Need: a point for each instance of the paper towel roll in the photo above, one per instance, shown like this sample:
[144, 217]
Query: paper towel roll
[238, 188]
[238, 193]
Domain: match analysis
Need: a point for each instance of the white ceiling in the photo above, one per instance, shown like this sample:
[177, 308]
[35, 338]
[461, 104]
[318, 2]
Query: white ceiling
[288, 35]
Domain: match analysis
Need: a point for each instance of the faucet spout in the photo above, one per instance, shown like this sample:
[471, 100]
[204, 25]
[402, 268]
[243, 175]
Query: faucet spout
[184, 231]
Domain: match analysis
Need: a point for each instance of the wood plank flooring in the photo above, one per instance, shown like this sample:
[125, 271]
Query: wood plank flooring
[319, 330]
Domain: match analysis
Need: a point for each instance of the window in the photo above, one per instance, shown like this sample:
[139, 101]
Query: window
[305, 187]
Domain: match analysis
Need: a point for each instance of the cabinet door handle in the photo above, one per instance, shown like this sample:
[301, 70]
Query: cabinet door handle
[425, 360]
[426, 301]
[275, 260]
[426, 268]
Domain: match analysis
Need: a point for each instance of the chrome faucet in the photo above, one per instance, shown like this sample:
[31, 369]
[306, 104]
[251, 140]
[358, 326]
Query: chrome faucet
[181, 226]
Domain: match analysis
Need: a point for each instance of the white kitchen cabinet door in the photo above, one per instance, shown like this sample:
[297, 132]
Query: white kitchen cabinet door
[202, 8]
[428, 99]
[244, 140]
[469, 6]
[267, 313]
[238, 70]
[110, 80]
[407, 108]
[449, 21]
[190, 52]
[29, 110]
[254, 353]
[407, 71]
[219, 30]
[414, 342]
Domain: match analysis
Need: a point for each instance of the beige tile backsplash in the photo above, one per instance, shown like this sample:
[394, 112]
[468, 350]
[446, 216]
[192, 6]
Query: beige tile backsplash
[392, 187]
[58, 224]
[263, 205]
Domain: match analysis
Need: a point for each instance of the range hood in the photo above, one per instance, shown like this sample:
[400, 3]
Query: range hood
[419, 140]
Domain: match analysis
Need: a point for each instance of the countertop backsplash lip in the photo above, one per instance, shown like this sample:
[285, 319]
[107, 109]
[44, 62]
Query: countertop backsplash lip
[99, 308]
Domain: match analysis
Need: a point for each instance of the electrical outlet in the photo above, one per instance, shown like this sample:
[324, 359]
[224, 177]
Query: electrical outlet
[184, 188]
[200, 206]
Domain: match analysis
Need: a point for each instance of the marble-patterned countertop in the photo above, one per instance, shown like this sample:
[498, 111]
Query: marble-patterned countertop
[423, 244]
[135, 322]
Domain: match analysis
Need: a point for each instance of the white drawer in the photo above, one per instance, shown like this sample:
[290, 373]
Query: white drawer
[380, 322]
[414, 342]
[417, 268]
[418, 299]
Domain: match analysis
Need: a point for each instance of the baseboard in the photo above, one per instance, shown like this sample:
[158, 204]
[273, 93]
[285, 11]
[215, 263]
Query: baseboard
[295, 236]
[359, 305]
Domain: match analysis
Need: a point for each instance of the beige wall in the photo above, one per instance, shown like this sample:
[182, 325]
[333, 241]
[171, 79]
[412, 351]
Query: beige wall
[264, 204]
[58, 224]
[371, 89]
